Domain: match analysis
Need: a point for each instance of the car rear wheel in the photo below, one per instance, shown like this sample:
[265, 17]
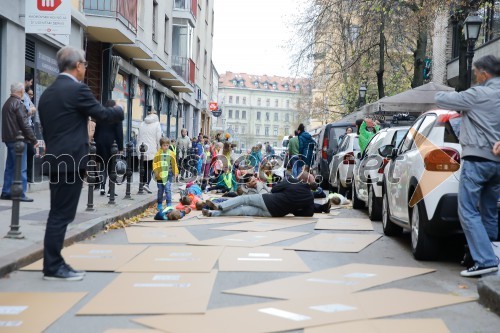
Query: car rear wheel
[423, 246]
[356, 202]
[389, 228]
[374, 205]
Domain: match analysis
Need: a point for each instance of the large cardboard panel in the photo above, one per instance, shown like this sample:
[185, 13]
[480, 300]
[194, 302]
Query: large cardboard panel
[95, 257]
[194, 259]
[286, 218]
[336, 242]
[344, 224]
[251, 239]
[153, 293]
[262, 259]
[264, 225]
[385, 326]
[333, 281]
[193, 222]
[328, 215]
[33, 312]
[159, 235]
[131, 330]
[296, 314]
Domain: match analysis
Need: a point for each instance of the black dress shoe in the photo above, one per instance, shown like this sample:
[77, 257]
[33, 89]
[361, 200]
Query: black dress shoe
[26, 199]
[76, 271]
[63, 274]
[326, 207]
[5, 196]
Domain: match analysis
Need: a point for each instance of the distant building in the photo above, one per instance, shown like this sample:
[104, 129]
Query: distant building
[261, 108]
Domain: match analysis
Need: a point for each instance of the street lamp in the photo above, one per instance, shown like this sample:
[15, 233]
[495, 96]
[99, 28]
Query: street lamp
[362, 95]
[472, 27]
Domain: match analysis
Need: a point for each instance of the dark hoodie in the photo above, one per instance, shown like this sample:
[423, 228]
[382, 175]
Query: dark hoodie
[290, 197]
[306, 147]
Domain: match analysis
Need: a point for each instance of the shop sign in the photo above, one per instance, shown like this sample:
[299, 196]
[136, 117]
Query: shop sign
[48, 17]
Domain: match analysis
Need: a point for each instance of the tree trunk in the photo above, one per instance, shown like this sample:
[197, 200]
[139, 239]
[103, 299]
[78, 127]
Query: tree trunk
[419, 58]
[381, 67]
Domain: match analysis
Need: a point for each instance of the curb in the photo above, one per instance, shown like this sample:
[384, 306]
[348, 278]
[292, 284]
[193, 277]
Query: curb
[488, 289]
[33, 253]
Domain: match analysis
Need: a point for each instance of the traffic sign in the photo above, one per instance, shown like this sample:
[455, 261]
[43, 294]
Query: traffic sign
[213, 106]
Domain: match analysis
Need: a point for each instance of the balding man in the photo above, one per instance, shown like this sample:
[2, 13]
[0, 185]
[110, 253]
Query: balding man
[15, 119]
[64, 110]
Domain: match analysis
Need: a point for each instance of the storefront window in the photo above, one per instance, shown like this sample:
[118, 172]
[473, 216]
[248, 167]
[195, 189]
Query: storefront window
[138, 103]
[120, 95]
[164, 115]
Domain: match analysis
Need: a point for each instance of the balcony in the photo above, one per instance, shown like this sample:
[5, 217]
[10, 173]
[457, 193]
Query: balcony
[187, 9]
[184, 68]
[111, 21]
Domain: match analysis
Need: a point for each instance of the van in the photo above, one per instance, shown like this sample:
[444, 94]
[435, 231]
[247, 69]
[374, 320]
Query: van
[327, 138]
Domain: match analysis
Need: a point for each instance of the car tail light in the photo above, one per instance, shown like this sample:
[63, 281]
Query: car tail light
[442, 159]
[348, 158]
[382, 167]
[324, 155]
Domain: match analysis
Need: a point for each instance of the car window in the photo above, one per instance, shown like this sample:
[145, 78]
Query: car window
[375, 143]
[355, 144]
[397, 137]
[407, 143]
[333, 137]
[424, 129]
[345, 143]
[452, 130]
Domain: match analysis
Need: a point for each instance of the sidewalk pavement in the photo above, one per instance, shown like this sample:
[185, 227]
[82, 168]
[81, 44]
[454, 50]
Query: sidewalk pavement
[488, 287]
[16, 253]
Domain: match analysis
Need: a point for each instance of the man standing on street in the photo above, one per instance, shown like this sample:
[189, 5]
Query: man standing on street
[479, 187]
[31, 109]
[65, 108]
[15, 119]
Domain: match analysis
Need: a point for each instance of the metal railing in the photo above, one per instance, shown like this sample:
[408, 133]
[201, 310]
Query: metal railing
[184, 67]
[123, 10]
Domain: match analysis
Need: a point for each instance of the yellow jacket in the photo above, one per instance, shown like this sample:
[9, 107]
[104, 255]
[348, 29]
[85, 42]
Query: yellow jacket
[161, 165]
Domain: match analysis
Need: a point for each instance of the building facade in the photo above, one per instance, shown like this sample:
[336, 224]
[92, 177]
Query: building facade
[259, 108]
[143, 53]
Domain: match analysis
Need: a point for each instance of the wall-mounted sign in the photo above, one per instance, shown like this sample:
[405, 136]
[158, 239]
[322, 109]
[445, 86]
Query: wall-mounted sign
[213, 106]
[217, 113]
[48, 17]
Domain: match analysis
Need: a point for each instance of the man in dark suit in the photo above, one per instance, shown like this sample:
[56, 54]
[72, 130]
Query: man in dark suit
[65, 108]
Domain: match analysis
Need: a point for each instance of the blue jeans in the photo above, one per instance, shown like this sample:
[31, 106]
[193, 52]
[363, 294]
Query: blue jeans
[10, 164]
[245, 205]
[478, 193]
[165, 188]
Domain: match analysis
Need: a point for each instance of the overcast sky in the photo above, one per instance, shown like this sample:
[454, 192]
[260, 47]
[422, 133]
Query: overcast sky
[251, 36]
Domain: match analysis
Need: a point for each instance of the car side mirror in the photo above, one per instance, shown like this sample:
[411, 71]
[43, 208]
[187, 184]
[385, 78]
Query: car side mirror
[386, 150]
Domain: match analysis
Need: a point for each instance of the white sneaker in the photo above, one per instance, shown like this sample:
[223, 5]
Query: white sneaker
[146, 188]
[476, 270]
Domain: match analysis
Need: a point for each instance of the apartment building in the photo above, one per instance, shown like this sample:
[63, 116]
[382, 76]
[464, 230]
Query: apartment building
[446, 42]
[142, 53]
[259, 108]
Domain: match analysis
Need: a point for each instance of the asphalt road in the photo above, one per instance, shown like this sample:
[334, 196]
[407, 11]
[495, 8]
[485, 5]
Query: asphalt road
[466, 318]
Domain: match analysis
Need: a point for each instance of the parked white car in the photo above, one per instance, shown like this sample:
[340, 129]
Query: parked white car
[342, 164]
[420, 183]
[369, 169]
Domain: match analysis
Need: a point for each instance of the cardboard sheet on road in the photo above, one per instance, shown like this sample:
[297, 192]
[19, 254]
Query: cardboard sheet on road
[336, 242]
[195, 259]
[326, 216]
[251, 239]
[95, 257]
[302, 313]
[131, 330]
[344, 224]
[264, 225]
[34, 312]
[333, 281]
[261, 259]
[193, 222]
[159, 235]
[153, 293]
[384, 325]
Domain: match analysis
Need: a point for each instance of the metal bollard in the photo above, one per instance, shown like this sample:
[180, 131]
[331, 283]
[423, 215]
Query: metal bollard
[130, 149]
[112, 174]
[91, 176]
[16, 190]
[142, 172]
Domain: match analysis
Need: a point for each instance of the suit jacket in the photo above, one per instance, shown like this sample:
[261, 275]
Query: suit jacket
[104, 136]
[64, 109]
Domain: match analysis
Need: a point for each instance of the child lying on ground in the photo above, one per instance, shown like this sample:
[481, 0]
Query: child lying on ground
[188, 201]
[169, 213]
[338, 199]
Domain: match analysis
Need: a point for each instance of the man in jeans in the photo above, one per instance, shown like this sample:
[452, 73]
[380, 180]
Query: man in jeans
[287, 197]
[15, 119]
[480, 170]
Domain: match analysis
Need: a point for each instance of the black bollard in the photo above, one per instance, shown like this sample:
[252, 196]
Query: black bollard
[142, 172]
[16, 190]
[130, 149]
[91, 176]
[112, 174]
